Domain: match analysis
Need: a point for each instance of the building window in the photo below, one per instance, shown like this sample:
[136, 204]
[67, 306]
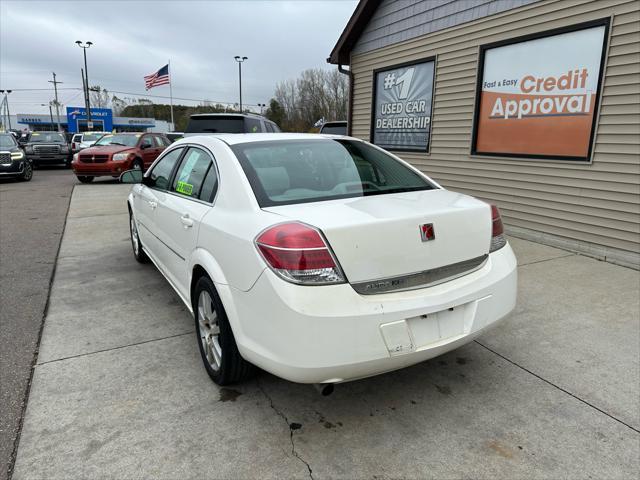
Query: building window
[537, 95]
[402, 105]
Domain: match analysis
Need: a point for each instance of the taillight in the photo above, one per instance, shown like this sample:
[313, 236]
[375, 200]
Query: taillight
[299, 254]
[497, 230]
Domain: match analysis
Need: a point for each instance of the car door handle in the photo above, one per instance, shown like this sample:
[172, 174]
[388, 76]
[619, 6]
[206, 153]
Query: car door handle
[152, 204]
[186, 221]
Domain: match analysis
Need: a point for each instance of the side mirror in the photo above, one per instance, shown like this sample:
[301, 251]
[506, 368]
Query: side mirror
[131, 176]
[144, 146]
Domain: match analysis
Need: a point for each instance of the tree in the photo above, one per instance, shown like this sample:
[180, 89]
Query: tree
[118, 104]
[315, 94]
[99, 97]
[275, 112]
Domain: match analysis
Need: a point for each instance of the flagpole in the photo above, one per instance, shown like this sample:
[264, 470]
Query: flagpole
[173, 125]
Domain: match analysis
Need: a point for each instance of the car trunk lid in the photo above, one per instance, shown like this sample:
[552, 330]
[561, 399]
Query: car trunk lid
[379, 236]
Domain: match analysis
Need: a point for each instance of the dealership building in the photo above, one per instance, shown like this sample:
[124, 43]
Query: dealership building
[75, 119]
[533, 105]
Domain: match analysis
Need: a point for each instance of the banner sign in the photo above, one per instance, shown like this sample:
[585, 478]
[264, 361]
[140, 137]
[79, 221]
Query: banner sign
[102, 119]
[538, 97]
[402, 102]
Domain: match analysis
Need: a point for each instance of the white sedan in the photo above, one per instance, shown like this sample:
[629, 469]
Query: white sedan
[318, 258]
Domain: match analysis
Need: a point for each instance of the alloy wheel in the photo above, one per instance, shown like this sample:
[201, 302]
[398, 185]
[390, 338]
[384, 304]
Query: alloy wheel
[209, 330]
[134, 236]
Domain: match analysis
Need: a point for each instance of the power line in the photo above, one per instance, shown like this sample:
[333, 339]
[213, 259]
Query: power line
[43, 89]
[147, 95]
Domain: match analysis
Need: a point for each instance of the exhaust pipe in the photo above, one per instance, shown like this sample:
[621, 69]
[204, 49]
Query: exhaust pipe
[325, 389]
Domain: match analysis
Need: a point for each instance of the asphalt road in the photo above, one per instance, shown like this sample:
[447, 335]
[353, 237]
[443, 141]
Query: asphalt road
[32, 218]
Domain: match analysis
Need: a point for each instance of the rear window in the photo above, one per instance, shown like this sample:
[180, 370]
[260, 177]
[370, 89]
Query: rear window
[292, 171]
[335, 129]
[92, 137]
[218, 124]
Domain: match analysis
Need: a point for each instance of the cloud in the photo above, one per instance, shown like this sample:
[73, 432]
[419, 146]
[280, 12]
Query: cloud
[134, 38]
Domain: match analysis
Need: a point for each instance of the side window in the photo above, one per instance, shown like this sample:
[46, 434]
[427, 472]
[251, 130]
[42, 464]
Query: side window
[275, 128]
[161, 173]
[269, 127]
[146, 142]
[253, 125]
[159, 141]
[191, 173]
[77, 138]
[210, 185]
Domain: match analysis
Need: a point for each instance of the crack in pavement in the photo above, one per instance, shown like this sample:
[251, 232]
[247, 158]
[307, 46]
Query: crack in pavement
[291, 426]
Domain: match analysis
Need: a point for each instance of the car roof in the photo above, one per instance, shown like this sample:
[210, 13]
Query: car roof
[236, 138]
[335, 122]
[127, 133]
[221, 114]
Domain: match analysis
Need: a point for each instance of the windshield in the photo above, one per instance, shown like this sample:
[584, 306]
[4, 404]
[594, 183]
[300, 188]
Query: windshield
[293, 171]
[42, 137]
[91, 137]
[126, 140]
[7, 141]
[218, 124]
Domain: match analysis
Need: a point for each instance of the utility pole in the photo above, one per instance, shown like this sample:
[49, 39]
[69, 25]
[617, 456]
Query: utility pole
[240, 59]
[50, 112]
[84, 47]
[55, 88]
[5, 103]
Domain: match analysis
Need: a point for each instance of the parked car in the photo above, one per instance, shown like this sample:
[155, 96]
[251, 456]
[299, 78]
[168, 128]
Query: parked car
[47, 148]
[334, 128]
[114, 153]
[80, 141]
[316, 258]
[173, 136]
[229, 123]
[13, 162]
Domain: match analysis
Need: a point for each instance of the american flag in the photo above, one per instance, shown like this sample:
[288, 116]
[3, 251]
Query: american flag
[161, 77]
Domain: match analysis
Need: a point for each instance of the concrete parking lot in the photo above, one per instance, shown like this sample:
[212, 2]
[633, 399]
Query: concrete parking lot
[119, 390]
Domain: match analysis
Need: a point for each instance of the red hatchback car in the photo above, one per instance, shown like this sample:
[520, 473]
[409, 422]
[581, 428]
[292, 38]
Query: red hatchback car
[116, 152]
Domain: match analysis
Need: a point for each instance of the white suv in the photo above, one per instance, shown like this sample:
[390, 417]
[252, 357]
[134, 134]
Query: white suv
[84, 140]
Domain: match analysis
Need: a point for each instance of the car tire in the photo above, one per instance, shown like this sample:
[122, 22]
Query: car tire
[138, 252]
[27, 173]
[84, 179]
[137, 165]
[216, 342]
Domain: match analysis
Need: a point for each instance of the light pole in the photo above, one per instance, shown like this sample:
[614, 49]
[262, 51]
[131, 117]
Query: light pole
[50, 114]
[262, 105]
[240, 60]
[5, 102]
[84, 47]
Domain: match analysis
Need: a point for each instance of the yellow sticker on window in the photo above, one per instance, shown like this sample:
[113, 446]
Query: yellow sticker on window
[184, 187]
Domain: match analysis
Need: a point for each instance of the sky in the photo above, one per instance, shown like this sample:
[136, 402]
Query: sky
[134, 38]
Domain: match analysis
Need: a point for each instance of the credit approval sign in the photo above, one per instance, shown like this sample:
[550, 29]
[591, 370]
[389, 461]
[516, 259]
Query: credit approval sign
[402, 102]
[538, 96]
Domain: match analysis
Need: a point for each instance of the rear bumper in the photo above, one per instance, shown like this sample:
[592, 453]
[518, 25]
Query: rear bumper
[333, 334]
[113, 169]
